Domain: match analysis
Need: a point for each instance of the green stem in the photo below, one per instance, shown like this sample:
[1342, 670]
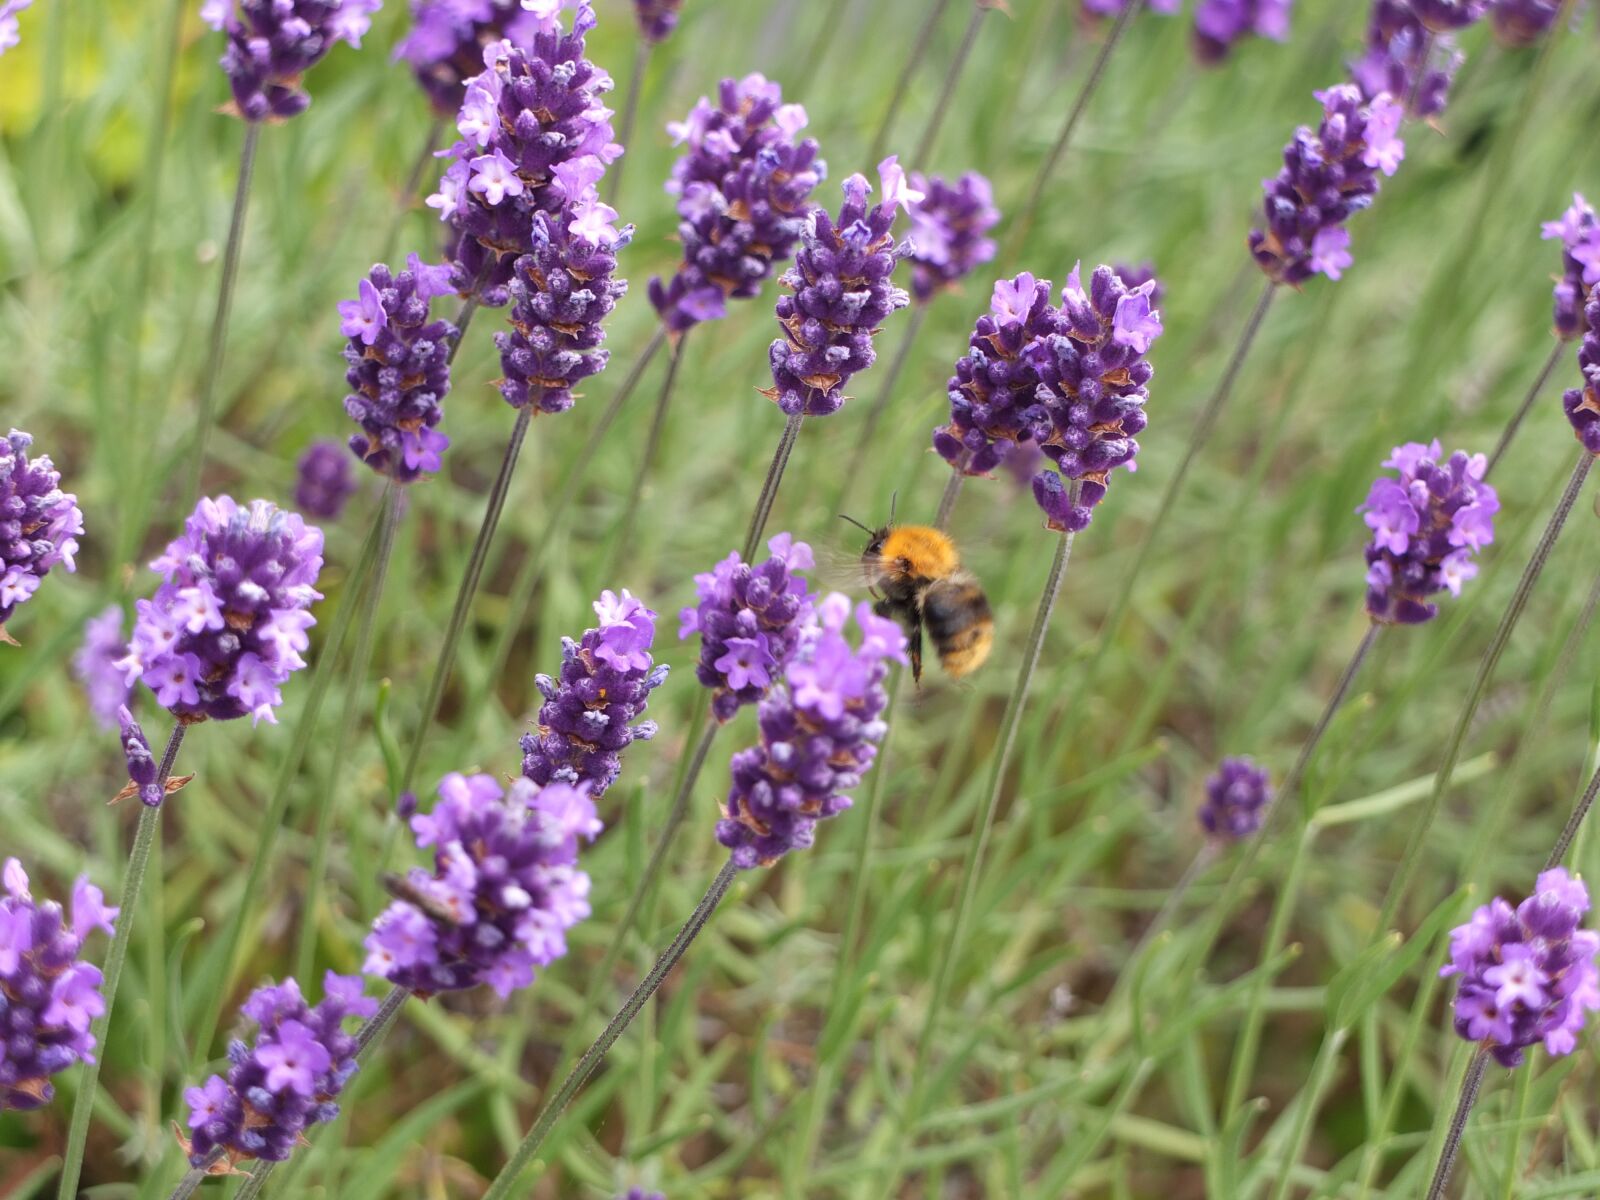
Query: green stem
[1570, 831]
[880, 405]
[919, 52]
[408, 192]
[947, 502]
[1458, 1123]
[652, 444]
[1310, 1102]
[1557, 352]
[769, 488]
[132, 881]
[630, 117]
[930, 132]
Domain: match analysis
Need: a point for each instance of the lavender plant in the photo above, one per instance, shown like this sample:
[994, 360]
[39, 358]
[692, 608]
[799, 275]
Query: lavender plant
[10, 28]
[1403, 60]
[39, 524]
[323, 481]
[447, 39]
[95, 665]
[1237, 798]
[1220, 24]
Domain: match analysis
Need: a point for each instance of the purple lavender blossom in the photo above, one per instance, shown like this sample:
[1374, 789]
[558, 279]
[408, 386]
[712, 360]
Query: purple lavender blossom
[535, 137]
[227, 626]
[287, 1081]
[39, 523]
[271, 43]
[994, 406]
[1136, 275]
[1095, 9]
[1326, 177]
[1578, 230]
[95, 665]
[750, 620]
[641, 1194]
[143, 772]
[1528, 975]
[819, 735]
[10, 30]
[591, 713]
[1397, 48]
[399, 369]
[1582, 405]
[1523, 22]
[657, 18]
[843, 289]
[1092, 388]
[48, 998]
[323, 482]
[1427, 527]
[744, 189]
[560, 293]
[1219, 24]
[447, 39]
[1237, 799]
[504, 890]
[948, 228]
[1448, 16]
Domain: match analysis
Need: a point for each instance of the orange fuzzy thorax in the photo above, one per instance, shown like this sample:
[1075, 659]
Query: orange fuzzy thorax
[926, 552]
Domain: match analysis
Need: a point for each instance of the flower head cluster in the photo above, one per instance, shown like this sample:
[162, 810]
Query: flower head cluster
[1237, 798]
[227, 626]
[144, 775]
[750, 620]
[1093, 377]
[949, 228]
[562, 290]
[1524, 22]
[1578, 231]
[1397, 48]
[1111, 8]
[1448, 16]
[535, 137]
[1582, 405]
[641, 1194]
[1218, 24]
[10, 28]
[841, 289]
[95, 665]
[657, 18]
[48, 998]
[744, 187]
[1528, 974]
[1326, 177]
[399, 369]
[447, 38]
[591, 711]
[39, 523]
[994, 405]
[1427, 527]
[819, 734]
[272, 43]
[287, 1081]
[504, 890]
[323, 480]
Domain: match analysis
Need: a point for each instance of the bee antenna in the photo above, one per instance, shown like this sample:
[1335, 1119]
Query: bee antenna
[856, 523]
[894, 502]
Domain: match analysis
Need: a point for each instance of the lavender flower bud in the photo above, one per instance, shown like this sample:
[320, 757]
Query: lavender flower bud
[399, 369]
[447, 38]
[1578, 230]
[744, 191]
[1237, 799]
[657, 18]
[323, 481]
[1397, 48]
[561, 292]
[286, 1081]
[948, 227]
[1092, 10]
[1528, 974]
[1448, 16]
[271, 43]
[95, 665]
[1092, 387]
[819, 735]
[10, 30]
[39, 523]
[503, 892]
[1427, 528]
[143, 773]
[1218, 24]
[1582, 405]
[591, 713]
[842, 291]
[227, 626]
[750, 620]
[994, 406]
[1523, 22]
[1326, 177]
[48, 997]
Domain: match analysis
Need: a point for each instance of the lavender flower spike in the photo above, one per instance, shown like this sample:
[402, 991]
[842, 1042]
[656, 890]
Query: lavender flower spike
[1092, 388]
[744, 189]
[48, 997]
[143, 773]
[10, 30]
[1448, 16]
[1528, 975]
[504, 890]
[287, 1081]
[819, 735]
[641, 1194]
[750, 620]
[1523, 22]
[1326, 177]
[447, 38]
[591, 713]
[561, 292]
[1219, 24]
[272, 43]
[657, 18]
[399, 369]
[1398, 47]
[1578, 230]
[1582, 405]
[323, 482]
[95, 665]
[842, 289]
[227, 626]
[1427, 527]
[39, 524]
[948, 231]
[1237, 799]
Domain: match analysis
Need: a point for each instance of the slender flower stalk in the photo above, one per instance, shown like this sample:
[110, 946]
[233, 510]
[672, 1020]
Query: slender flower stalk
[652, 444]
[952, 77]
[914, 57]
[1514, 423]
[630, 115]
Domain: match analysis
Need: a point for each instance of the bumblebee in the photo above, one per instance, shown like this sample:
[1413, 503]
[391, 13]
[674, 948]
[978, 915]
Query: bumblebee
[914, 573]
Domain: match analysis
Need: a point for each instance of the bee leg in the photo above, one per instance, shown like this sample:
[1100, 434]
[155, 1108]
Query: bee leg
[914, 646]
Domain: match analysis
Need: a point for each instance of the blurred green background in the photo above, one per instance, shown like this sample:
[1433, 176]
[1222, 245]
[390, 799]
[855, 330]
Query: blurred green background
[109, 264]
